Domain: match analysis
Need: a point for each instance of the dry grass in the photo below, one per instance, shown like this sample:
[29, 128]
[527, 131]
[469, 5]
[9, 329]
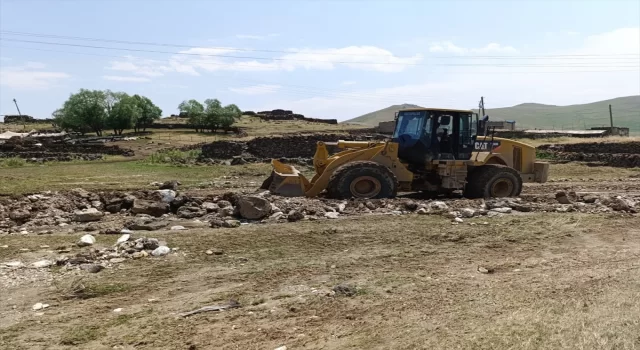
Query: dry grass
[613, 139]
[121, 175]
[577, 171]
[560, 282]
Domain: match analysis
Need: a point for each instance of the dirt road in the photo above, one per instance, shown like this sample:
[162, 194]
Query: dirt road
[554, 281]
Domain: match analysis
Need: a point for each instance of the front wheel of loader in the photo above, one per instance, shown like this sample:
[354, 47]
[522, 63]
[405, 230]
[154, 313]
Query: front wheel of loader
[493, 181]
[362, 179]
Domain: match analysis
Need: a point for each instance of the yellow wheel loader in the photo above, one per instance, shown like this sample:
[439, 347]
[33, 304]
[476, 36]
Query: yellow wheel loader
[437, 151]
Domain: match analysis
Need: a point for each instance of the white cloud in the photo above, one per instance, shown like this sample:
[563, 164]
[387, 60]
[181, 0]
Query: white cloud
[369, 58]
[256, 37]
[261, 89]
[560, 77]
[349, 82]
[355, 57]
[30, 76]
[151, 68]
[126, 79]
[5, 59]
[449, 47]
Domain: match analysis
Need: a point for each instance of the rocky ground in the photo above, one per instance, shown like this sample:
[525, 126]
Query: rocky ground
[118, 269]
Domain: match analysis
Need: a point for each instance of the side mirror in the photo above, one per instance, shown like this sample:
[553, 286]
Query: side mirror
[445, 120]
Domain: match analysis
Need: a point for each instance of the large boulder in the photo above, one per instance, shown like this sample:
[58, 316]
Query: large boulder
[87, 215]
[20, 216]
[190, 212]
[170, 185]
[253, 207]
[145, 224]
[141, 206]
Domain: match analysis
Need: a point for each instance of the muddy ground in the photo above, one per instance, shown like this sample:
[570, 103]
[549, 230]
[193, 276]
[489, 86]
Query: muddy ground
[547, 278]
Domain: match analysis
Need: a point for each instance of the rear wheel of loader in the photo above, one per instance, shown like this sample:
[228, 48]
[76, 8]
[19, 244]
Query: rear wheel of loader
[362, 179]
[493, 181]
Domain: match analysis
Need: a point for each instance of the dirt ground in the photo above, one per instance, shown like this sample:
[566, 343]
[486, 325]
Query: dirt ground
[522, 281]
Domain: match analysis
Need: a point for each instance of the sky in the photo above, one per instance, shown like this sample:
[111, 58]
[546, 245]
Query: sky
[323, 59]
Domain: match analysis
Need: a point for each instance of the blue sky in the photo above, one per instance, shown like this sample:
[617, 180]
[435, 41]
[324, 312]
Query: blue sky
[327, 59]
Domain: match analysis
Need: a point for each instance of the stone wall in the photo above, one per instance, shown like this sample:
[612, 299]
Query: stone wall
[595, 147]
[293, 146]
[281, 114]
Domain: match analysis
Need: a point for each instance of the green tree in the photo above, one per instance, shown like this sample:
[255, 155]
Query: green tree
[123, 113]
[195, 112]
[149, 112]
[83, 111]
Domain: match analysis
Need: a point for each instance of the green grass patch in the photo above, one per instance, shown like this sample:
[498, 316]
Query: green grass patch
[174, 157]
[78, 335]
[12, 162]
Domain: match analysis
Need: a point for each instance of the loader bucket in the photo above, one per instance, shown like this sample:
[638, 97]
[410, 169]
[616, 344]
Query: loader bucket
[285, 180]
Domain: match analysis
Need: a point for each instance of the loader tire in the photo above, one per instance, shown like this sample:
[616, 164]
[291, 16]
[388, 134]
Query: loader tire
[362, 179]
[493, 181]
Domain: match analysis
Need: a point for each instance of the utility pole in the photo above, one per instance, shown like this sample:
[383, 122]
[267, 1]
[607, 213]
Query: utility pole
[482, 105]
[611, 117]
[18, 108]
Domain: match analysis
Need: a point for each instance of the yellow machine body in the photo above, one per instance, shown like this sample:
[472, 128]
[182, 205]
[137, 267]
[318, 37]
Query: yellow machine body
[287, 181]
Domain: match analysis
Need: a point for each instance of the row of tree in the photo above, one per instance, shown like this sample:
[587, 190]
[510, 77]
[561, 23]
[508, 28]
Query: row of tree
[97, 110]
[210, 116]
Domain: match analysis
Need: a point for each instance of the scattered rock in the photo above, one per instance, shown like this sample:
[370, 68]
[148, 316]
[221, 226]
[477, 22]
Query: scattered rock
[14, 264]
[152, 208]
[42, 264]
[422, 211]
[20, 216]
[170, 185]
[253, 207]
[123, 238]
[467, 213]
[178, 228]
[92, 268]
[332, 215]
[86, 240]
[39, 306]
[505, 210]
[295, 215]
[458, 220]
[589, 199]
[231, 223]
[562, 198]
[161, 251]
[210, 207]
[438, 205]
[167, 195]
[485, 270]
[87, 215]
[146, 224]
[118, 310]
[345, 290]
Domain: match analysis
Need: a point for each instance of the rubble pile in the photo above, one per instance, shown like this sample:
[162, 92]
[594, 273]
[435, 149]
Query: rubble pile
[94, 259]
[624, 154]
[166, 207]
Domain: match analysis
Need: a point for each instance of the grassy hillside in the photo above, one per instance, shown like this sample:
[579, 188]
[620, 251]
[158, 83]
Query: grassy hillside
[626, 113]
[382, 115]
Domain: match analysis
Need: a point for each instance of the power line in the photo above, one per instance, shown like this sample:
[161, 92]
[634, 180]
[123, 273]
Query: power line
[127, 42]
[133, 58]
[315, 61]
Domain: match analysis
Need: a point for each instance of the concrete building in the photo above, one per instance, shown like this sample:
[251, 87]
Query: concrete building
[502, 124]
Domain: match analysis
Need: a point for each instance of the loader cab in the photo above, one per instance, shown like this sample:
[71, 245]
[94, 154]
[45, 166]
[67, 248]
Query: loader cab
[424, 135]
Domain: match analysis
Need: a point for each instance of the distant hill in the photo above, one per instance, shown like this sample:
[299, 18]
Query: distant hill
[382, 115]
[626, 113]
